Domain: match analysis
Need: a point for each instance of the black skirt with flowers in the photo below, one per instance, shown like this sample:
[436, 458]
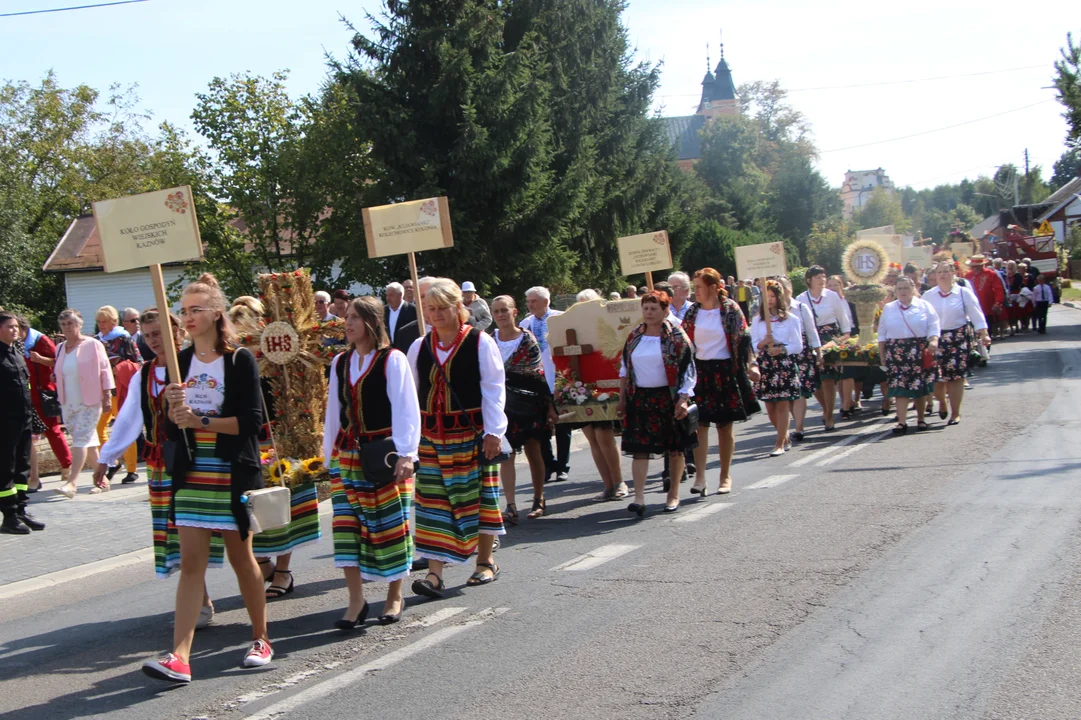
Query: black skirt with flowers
[780, 378]
[952, 356]
[722, 397]
[810, 379]
[826, 333]
[905, 374]
[649, 425]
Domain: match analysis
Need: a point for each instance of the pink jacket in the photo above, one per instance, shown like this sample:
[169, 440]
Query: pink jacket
[95, 375]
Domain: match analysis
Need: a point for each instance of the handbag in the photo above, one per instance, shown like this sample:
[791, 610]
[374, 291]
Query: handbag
[524, 404]
[379, 460]
[50, 403]
[268, 508]
[927, 360]
[505, 449]
[688, 426]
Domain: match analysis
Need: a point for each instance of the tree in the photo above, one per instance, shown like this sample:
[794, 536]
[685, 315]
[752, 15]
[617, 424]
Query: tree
[827, 242]
[882, 208]
[738, 185]
[531, 118]
[1068, 84]
[1066, 168]
[800, 198]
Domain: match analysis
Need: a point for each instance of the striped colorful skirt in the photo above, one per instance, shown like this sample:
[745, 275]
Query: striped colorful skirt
[205, 501]
[371, 525]
[303, 527]
[457, 496]
[166, 538]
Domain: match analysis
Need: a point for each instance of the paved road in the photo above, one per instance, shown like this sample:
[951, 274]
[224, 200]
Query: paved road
[862, 576]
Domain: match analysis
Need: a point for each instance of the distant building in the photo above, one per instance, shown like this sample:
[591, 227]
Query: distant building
[858, 186]
[718, 98]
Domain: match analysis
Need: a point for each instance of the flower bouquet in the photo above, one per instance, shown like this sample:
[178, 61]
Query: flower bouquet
[582, 402]
[849, 352]
[292, 472]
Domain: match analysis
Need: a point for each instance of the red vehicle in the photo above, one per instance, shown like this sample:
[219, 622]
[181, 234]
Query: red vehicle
[1017, 245]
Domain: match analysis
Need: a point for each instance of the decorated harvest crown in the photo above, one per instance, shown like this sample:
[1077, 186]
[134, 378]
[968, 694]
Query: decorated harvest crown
[865, 262]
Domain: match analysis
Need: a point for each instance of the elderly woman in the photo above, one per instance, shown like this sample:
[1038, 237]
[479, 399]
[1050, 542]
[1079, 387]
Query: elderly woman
[461, 387]
[959, 314]
[778, 348]
[124, 357]
[657, 379]
[530, 412]
[84, 384]
[907, 342]
[725, 367]
[833, 323]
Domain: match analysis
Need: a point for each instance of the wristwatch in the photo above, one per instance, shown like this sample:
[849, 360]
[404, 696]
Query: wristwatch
[205, 421]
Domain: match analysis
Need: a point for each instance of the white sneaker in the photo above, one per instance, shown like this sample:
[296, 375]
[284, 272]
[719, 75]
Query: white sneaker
[777, 452]
[206, 617]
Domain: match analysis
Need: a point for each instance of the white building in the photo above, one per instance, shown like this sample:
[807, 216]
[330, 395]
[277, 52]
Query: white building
[858, 186]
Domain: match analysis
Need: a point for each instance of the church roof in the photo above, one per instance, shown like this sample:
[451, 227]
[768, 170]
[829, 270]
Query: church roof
[722, 86]
[683, 134]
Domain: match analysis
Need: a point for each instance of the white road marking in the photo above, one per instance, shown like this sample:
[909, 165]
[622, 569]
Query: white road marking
[819, 454]
[772, 481]
[842, 455]
[334, 684]
[598, 557]
[437, 617]
[699, 513]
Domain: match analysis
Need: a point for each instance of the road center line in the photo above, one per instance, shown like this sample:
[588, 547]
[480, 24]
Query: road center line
[819, 454]
[332, 685]
[437, 617]
[597, 557]
[700, 513]
[855, 449]
[771, 481]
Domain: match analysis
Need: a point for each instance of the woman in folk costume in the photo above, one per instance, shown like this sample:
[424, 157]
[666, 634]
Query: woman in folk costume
[831, 318]
[725, 367]
[214, 420]
[960, 318]
[524, 368]
[274, 548]
[907, 341]
[657, 379]
[372, 396]
[808, 360]
[778, 349]
[460, 383]
[144, 407]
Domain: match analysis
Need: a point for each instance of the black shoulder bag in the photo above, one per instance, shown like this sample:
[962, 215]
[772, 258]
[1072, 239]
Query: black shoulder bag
[378, 458]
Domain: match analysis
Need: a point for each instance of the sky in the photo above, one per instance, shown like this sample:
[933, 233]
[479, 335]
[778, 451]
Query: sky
[987, 65]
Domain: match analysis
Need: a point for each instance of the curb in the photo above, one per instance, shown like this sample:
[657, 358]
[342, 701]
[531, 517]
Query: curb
[51, 580]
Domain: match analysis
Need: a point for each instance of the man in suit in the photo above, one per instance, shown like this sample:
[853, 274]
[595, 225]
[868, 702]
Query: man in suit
[410, 331]
[397, 314]
[538, 300]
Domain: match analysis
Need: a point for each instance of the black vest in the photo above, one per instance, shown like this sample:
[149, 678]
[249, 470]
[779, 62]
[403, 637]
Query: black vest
[463, 373]
[373, 417]
[155, 426]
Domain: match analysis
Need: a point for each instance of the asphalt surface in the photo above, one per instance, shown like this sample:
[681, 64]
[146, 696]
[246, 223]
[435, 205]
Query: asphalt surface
[863, 575]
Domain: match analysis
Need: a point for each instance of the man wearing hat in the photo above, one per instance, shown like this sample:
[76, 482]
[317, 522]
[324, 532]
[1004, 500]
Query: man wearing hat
[987, 285]
[480, 315]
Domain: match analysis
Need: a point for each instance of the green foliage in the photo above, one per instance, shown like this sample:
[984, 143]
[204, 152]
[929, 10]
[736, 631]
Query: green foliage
[713, 245]
[827, 242]
[882, 208]
[1068, 84]
[797, 277]
[1066, 168]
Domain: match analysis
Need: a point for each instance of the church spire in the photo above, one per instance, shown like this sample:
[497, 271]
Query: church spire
[718, 88]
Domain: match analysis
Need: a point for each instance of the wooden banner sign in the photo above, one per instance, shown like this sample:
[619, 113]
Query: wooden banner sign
[408, 227]
[760, 261]
[920, 255]
[154, 228]
[962, 250]
[894, 245]
[644, 253]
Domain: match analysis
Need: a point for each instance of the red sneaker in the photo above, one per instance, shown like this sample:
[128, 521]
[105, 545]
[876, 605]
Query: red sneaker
[168, 668]
[259, 654]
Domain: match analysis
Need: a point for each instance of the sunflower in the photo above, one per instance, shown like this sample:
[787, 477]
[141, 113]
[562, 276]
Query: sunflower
[313, 465]
[280, 470]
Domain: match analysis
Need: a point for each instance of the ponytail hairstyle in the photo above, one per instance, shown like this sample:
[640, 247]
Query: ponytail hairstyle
[208, 285]
[711, 277]
[772, 286]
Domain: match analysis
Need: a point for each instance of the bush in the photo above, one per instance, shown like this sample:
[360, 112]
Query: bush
[798, 283]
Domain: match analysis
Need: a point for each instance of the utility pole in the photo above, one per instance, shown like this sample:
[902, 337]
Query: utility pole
[1026, 162]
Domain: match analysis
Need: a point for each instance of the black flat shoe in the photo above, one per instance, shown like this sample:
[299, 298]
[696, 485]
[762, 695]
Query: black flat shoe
[276, 591]
[344, 624]
[846, 414]
[921, 426]
[639, 510]
[671, 508]
[482, 578]
[129, 479]
[390, 619]
[885, 409]
[797, 435]
[830, 428]
[900, 429]
[426, 588]
[111, 472]
[666, 484]
[942, 414]
[698, 490]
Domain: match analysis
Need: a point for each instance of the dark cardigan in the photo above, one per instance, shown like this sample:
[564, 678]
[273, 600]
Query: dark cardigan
[243, 400]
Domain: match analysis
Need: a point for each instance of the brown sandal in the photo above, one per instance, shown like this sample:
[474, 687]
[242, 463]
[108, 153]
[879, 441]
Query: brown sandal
[538, 510]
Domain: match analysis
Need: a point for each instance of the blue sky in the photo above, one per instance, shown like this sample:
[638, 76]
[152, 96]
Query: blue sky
[171, 50]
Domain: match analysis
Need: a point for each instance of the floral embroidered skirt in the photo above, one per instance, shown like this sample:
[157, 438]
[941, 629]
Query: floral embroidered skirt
[826, 333]
[809, 374]
[952, 356]
[206, 500]
[166, 538]
[457, 496]
[780, 378]
[721, 399]
[371, 525]
[521, 429]
[905, 374]
[649, 425]
[81, 422]
[303, 527]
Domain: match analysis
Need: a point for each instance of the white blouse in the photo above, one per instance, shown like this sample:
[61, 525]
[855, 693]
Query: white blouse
[129, 421]
[710, 341]
[70, 370]
[507, 347]
[649, 367]
[401, 391]
[956, 308]
[787, 332]
[829, 308]
[807, 322]
[493, 389]
[902, 323]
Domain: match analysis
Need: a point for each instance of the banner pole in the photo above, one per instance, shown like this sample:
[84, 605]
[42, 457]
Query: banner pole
[416, 294]
[649, 280]
[172, 362]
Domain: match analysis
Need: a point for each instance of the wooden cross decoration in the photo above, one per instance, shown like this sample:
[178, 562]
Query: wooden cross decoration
[573, 351]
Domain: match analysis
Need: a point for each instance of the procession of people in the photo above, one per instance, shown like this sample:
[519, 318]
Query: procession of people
[449, 404]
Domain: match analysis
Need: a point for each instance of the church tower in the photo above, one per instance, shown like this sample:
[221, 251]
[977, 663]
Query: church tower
[718, 91]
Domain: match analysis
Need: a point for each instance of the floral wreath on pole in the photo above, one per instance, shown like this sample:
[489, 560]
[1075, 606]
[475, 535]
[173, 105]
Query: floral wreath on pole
[865, 262]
